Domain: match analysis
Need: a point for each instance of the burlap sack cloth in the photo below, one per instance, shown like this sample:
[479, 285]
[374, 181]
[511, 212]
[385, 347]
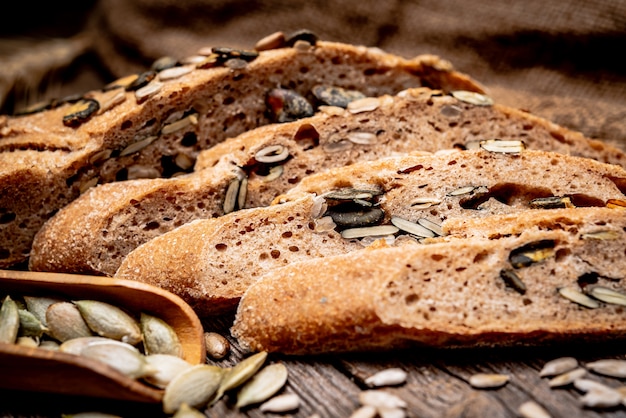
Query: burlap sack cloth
[562, 60]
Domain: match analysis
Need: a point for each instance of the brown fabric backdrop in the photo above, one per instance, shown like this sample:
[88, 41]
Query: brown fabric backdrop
[559, 59]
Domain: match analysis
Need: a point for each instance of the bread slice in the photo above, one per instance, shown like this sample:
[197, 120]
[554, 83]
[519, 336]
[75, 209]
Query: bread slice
[211, 262]
[154, 124]
[120, 216]
[451, 294]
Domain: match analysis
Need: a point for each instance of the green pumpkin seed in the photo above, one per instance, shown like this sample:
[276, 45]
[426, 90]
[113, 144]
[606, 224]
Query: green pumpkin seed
[262, 385]
[531, 253]
[109, 321]
[335, 96]
[30, 326]
[166, 367]
[351, 194]
[287, 105]
[301, 35]
[240, 374]
[77, 345]
[551, 202]
[351, 216]
[38, 305]
[121, 356]
[65, 322]
[80, 112]
[194, 386]
[513, 280]
[159, 337]
[9, 321]
[141, 80]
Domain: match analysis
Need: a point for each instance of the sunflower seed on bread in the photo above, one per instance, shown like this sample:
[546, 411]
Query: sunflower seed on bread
[296, 149]
[239, 247]
[45, 157]
[446, 293]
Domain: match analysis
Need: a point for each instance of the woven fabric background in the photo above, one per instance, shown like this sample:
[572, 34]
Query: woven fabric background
[558, 59]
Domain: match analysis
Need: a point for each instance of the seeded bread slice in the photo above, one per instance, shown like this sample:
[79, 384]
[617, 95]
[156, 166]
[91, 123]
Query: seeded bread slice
[211, 262]
[94, 233]
[154, 124]
[451, 294]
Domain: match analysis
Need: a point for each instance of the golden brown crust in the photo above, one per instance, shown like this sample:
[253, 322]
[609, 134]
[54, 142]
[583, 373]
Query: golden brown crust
[218, 103]
[229, 253]
[443, 294]
[416, 119]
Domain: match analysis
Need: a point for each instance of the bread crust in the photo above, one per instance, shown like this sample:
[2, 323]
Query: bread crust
[124, 215]
[446, 294]
[211, 262]
[215, 103]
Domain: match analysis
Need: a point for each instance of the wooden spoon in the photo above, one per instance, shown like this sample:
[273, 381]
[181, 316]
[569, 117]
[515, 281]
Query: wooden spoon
[40, 370]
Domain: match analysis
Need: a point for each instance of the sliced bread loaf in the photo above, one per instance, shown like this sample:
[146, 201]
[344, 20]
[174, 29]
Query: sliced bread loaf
[559, 278]
[96, 231]
[211, 262]
[154, 124]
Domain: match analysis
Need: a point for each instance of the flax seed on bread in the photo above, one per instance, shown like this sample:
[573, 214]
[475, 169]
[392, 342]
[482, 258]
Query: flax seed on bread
[447, 294]
[211, 262]
[95, 232]
[154, 124]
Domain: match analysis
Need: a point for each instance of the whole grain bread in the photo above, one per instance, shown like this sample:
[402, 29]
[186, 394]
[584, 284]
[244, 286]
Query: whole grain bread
[211, 262]
[154, 124]
[450, 294]
[96, 231]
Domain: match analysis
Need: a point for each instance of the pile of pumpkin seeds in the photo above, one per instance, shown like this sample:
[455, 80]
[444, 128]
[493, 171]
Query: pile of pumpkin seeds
[143, 347]
[251, 381]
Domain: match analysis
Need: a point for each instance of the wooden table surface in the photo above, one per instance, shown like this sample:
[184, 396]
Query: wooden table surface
[329, 386]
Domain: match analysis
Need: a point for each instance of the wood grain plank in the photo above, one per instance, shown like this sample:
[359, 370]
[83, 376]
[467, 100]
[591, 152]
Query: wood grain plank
[328, 386]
